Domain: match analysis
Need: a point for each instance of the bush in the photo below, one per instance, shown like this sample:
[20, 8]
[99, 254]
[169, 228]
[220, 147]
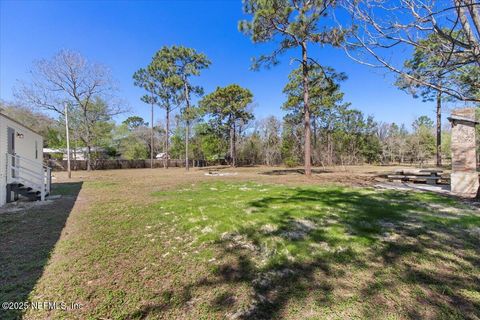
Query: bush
[290, 163]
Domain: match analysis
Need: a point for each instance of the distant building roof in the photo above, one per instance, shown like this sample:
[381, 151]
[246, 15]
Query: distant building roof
[161, 155]
[49, 150]
[83, 149]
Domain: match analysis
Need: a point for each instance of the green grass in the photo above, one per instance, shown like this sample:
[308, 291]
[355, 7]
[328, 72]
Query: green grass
[210, 250]
[286, 223]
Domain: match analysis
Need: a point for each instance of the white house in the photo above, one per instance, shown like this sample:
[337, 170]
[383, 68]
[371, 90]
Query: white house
[21, 162]
[162, 156]
[75, 154]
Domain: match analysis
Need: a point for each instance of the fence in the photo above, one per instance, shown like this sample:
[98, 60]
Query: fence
[109, 164]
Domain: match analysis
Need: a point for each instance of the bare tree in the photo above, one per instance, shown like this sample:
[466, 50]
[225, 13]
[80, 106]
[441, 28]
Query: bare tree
[270, 129]
[378, 26]
[68, 78]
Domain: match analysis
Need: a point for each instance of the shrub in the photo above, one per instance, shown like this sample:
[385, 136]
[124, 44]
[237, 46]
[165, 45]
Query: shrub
[290, 163]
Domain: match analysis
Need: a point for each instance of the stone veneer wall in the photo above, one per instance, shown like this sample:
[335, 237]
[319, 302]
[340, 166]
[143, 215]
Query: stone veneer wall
[464, 178]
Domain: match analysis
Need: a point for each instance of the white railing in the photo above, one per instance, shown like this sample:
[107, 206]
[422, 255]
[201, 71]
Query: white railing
[30, 173]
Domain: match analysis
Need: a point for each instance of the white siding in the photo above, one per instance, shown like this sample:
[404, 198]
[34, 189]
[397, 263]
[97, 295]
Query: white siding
[24, 147]
[3, 150]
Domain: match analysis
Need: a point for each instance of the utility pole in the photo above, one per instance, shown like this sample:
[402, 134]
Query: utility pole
[68, 142]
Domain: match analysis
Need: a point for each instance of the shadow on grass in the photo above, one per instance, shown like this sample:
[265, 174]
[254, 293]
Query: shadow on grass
[214, 168]
[226, 167]
[27, 239]
[427, 265]
[282, 172]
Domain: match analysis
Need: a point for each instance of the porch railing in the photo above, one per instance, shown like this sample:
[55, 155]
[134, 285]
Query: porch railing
[29, 173]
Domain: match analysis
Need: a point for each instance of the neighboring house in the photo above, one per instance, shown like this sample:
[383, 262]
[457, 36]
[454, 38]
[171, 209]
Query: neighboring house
[75, 154]
[161, 156]
[21, 162]
[49, 153]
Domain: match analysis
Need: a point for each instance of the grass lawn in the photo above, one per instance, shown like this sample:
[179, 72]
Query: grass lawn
[186, 246]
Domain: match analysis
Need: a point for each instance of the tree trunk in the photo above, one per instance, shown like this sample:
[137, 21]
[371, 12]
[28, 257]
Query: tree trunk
[89, 158]
[472, 7]
[306, 111]
[187, 129]
[463, 17]
[67, 133]
[167, 135]
[329, 147]
[315, 151]
[75, 165]
[439, 129]
[187, 133]
[151, 141]
[87, 140]
[231, 146]
[233, 152]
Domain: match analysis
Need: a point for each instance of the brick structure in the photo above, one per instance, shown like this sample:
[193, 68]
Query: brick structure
[464, 177]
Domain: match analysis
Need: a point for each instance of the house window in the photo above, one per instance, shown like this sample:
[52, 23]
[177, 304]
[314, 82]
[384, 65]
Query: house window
[36, 149]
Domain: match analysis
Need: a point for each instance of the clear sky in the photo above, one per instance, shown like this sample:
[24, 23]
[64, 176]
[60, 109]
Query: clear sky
[124, 35]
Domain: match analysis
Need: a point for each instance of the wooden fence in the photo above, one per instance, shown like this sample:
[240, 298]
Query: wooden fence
[109, 164]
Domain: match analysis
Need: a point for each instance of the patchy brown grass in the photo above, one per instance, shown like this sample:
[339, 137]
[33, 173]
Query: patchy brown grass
[161, 178]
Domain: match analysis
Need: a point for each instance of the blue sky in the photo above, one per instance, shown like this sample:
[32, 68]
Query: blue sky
[124, 35]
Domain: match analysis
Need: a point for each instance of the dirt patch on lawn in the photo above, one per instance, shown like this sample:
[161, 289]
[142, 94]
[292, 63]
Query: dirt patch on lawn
[144, 180]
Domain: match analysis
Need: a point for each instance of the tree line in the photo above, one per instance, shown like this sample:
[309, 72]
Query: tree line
[319, 128]
[343, 137]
